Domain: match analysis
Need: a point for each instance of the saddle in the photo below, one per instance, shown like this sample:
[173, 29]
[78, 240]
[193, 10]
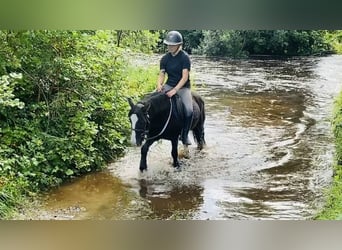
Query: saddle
[178, 110]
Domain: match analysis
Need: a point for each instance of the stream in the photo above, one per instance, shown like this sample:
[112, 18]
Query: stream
[269, 151]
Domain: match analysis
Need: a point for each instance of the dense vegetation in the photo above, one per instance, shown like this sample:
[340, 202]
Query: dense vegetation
[240, 44]
[63, 108]
[62, 104]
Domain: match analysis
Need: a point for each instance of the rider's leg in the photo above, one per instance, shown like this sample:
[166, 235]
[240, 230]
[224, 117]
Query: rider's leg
[185, 95]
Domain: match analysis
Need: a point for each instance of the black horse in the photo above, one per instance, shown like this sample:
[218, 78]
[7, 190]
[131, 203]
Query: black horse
[159, 117]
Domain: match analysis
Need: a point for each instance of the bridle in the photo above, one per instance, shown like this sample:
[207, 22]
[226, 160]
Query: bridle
[147, 122]
[143, 130]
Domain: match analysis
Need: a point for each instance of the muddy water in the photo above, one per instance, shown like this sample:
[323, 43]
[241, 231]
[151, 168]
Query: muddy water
[269, 150]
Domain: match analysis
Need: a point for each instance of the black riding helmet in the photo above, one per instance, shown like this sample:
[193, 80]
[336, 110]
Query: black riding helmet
[173, 38]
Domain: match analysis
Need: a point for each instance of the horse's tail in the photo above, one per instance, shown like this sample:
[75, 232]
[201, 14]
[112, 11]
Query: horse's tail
[199, 129]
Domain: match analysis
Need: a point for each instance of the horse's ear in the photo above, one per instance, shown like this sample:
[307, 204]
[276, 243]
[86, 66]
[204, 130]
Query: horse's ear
[146, 107]
[130, 102]
[140, 105]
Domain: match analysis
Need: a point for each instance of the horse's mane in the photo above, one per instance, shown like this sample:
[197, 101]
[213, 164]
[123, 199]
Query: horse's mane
[156, 99]
[147, 97]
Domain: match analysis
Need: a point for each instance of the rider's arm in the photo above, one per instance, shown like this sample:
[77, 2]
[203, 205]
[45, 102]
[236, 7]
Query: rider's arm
[183, 80]
[161, 79]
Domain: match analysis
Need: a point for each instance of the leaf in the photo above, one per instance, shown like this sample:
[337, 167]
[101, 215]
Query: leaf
[69, 172]
[107, 106]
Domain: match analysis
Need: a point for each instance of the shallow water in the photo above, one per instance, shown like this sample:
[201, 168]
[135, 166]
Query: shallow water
[269, 150]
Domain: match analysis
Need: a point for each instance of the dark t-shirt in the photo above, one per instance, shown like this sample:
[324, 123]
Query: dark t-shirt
[174, 65]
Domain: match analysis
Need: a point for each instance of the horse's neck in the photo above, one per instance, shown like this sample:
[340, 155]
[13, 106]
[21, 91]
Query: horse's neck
[159, 107]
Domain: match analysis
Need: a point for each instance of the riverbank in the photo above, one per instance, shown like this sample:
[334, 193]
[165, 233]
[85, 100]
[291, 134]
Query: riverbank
[333, 207]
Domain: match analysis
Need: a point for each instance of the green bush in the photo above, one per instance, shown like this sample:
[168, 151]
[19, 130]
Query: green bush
[63, 107]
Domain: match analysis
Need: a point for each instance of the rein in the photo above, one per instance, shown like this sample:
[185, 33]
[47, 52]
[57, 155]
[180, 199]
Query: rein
[167, 123]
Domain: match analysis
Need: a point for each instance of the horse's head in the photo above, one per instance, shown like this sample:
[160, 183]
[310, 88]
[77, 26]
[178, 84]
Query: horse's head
[138, 117]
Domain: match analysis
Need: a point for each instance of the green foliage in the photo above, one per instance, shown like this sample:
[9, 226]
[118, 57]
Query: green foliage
[242, 43]
[222, 43]
[138, 41]
[141, 80]
[192, 39]
[63, 104]
[334, 38]
[11, 195]
[7, 98]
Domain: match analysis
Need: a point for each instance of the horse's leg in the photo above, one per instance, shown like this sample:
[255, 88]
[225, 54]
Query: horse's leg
[200, 130]
[186, 152]
[199, 135]
[144, 150]
[174, 152]
[202, 140]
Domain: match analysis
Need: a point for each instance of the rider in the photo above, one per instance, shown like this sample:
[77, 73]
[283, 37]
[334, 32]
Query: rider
[176, 64]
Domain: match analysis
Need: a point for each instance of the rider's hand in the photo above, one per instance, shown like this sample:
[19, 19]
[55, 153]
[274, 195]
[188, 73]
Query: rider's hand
[171, 93]
[159, 88]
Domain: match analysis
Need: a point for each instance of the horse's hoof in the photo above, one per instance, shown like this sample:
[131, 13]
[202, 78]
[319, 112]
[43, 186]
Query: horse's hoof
[142, 170]
[200, 146]
[178, 169]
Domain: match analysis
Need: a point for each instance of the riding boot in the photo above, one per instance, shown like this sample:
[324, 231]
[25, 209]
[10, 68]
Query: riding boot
[185, 132]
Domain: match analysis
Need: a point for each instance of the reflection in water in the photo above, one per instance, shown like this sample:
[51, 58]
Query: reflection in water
[269, 149]
[97, 196]
[178, 202]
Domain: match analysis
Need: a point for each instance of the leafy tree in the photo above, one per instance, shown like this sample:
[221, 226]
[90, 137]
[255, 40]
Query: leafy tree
[138, 40]
[237, 44]
[221, 43]
[192, 39]
[334, 38]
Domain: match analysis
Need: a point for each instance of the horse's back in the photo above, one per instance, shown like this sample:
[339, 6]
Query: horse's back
[198, 99]
[159, 100]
